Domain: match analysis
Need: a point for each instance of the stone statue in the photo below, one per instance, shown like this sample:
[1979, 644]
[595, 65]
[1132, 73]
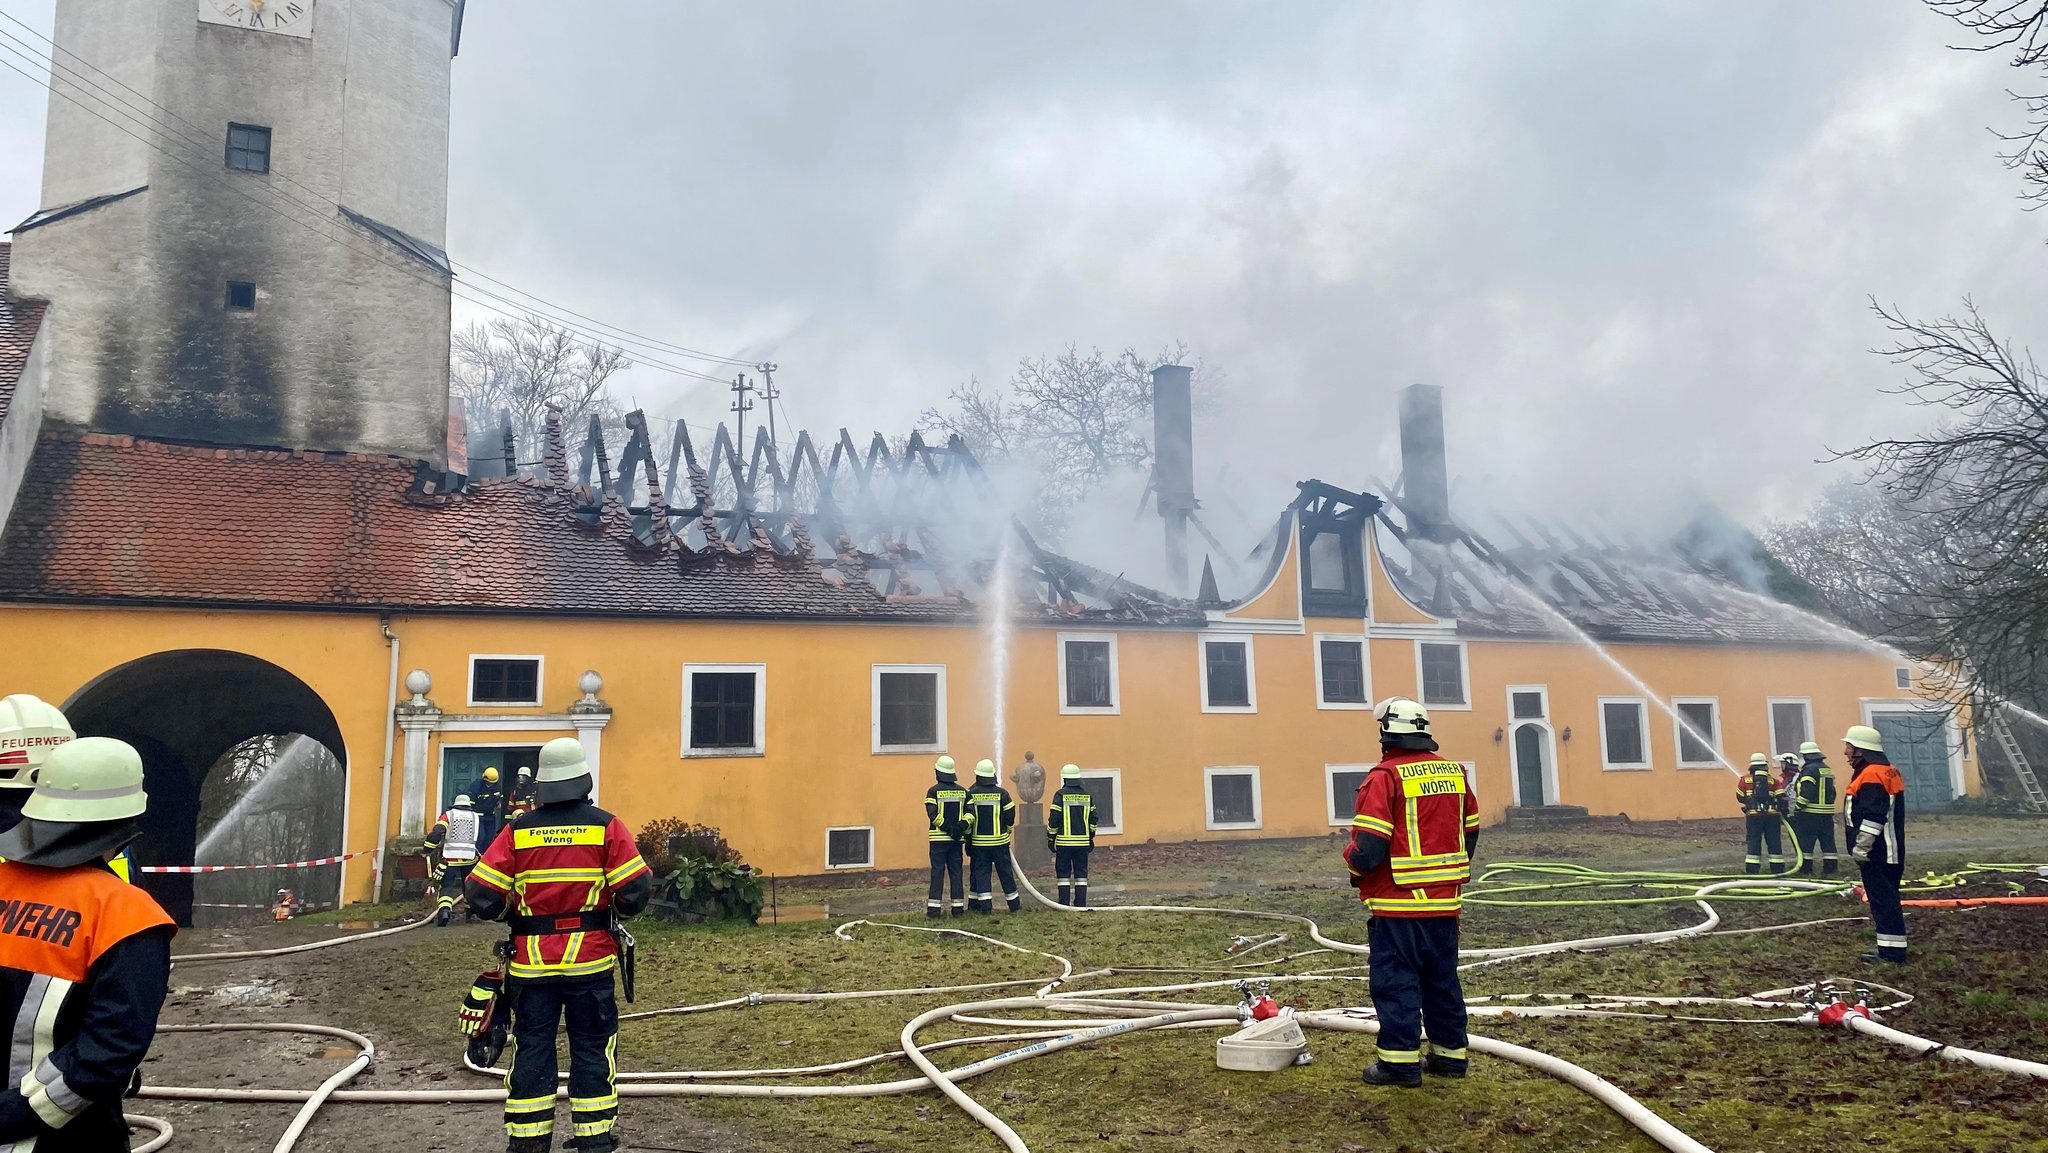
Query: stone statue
[1030, 778]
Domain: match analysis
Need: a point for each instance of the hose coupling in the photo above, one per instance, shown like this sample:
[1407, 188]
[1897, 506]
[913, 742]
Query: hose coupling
[754, 1000]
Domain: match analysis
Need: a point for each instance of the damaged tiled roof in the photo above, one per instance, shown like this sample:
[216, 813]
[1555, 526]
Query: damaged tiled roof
[110, 518]
[19, 321]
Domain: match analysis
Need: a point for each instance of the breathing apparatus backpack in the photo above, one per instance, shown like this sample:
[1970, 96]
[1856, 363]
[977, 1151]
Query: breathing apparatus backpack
[485, 1018]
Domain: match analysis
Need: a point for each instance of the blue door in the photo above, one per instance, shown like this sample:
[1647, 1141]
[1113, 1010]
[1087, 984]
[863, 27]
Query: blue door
[1918, 745]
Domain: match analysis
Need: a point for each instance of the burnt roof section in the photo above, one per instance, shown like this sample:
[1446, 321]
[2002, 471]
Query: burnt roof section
[1527, 576]
[76, 207]
[20, 320]
[431, 255]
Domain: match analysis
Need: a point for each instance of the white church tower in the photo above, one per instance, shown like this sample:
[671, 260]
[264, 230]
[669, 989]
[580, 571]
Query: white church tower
[244, 213]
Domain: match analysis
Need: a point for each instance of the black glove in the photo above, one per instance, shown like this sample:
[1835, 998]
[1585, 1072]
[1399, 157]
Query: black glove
[18, 1122]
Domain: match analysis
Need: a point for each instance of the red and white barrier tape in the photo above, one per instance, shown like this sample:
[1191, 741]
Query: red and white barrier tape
[238, 868]
[302, 905]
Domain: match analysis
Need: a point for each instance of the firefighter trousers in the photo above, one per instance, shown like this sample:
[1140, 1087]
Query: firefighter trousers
[1764, 833]
[945, 867]
[449, 883]
[1881, 886]
[984, 859]
[1070, 862]
[1814, 834]
[1414, 984]
[586, 1006]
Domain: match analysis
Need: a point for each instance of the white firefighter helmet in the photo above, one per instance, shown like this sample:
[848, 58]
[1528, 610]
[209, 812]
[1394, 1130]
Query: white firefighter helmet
[87, 781]
[1809, 749]
[564, 771]
[1864, 737]
[1789, 760]
[1399, 715]
[29, 728]
[1759, 761]
[985, 768]
[462, 800]
[1070, 772]
[943, 766]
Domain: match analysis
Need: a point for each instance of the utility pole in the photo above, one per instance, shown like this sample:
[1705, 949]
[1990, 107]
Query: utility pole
[741, 405]
[769, 396]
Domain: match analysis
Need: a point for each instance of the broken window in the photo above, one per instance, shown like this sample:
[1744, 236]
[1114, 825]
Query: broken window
[1327, 571]
[1343, 665]
[1443, 673]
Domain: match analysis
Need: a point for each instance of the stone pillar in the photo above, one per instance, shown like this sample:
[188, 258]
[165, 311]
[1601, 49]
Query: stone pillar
[417, 719]
[589, 716]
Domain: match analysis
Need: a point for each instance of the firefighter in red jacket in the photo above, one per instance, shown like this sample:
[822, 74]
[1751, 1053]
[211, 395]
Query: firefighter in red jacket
[1412, 840]
[1763, 813]
[563, 875]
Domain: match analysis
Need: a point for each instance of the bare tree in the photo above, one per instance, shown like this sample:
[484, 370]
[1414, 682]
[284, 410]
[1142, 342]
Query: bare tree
[2022, 27]
[517, 368]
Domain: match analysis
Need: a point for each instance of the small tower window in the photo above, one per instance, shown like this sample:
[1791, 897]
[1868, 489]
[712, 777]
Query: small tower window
[241, 296]
[248, 148]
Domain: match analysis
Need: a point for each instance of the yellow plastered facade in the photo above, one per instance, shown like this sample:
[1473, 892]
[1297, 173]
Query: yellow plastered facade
[818, 768]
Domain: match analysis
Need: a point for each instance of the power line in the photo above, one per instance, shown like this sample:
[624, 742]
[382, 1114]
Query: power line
[639, 345]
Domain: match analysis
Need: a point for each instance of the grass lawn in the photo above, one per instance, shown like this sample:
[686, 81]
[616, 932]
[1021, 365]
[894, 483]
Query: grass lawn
[1981, 977]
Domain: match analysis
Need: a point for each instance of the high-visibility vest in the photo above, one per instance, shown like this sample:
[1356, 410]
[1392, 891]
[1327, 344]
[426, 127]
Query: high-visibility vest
[1072, 819]
[464, 827]
[1813, 790]
[945, 812]
[1422, 806]
[558, 867]
[990, 815]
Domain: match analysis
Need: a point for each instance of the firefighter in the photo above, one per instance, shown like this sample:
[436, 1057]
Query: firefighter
[991, 815]
[454, 836]
[945, 816]
[487, 796]
[85, 966]
[29, 729]
[520, 801]
[562, 876]
[1875, 827]
[1813, 812]
[1070, 834]
[1412, 839]
[1762, 803]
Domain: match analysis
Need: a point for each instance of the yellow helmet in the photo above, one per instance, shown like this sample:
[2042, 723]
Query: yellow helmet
[491, 775]
[985, 768]
[1864, 737]
[29, 729]
[943, 766]
[1809, 749]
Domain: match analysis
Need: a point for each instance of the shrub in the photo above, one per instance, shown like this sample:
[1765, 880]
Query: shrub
[699, 876]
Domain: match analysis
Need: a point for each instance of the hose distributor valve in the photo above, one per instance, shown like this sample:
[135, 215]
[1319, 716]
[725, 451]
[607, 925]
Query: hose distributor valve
[1836, 1015]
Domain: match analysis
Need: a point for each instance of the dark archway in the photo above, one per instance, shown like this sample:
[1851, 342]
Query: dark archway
[183, 711]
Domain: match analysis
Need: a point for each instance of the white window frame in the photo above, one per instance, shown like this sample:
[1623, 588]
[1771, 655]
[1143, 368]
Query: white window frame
[1251, 674]
[875, 711]
[1364, 670]
[1116, 696]
[1464, 675]
[1771, 721]
[1330, 792]
[1678, 732]
[1115, 777]
[1902, 677]
[1871, 706]
[760, 746]
[1649, 762]
[540, 680]
[1542, 691]
[867, 864]
[1209, 775]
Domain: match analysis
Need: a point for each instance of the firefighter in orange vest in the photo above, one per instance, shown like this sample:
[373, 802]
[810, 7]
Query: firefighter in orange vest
[85, 957]
[1875, 827]
[562, 876]
[1412, 840]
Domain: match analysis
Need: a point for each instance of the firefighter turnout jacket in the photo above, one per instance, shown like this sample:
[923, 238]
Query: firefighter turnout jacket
[85, 959]
[991, 814]
[945, 812]
[1759, 793]
[1813, 790]
[1422, 807]
[455, 834]
[1070, 820]
[558, 875]
[1877, 810]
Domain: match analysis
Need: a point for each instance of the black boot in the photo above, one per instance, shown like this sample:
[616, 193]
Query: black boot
[530, 1145]
[1439, 1065]
[600, 1143]
[1381, 1073]
[1066, 895]
[1879, 956]
[441, 919]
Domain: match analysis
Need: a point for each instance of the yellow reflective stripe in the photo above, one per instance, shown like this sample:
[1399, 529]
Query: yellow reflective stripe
[545, 876]
[1432, 877]
[530, 1104]
[1472, 821]
[492, 877]
[593, 1104]
[1457, 857]
[1399, 1056]
[623, 872]
[1453, 1054]
[557, 836]
[1414, 830]
[595, 1128]
[1383, 828]
[1414, 904]
[530, 1128]
[537, 968]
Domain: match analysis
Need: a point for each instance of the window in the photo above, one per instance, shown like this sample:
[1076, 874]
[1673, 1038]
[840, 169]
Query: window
[1698, 732]
[1344, 781]
[1327, 571]
[1227, 675]
[495, 680]
[1442, 673]
[910, 708]
[850, 848]
[724, 710]
[1340, 672]
[1528, 704]
[241, 296]
[1106, 788]
[1624, 742]
[1903, 677]
[1088, 673]
[248, 148]
[1233, 797]
[1791, 723]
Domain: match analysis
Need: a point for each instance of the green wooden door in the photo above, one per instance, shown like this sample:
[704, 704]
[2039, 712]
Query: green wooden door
[1917, 744]
[1529, 749]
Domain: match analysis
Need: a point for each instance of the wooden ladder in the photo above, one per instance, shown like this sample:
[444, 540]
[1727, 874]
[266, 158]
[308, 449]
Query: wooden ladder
[2030, 786]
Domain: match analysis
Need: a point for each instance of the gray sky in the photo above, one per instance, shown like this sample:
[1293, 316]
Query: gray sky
[1634, 241]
